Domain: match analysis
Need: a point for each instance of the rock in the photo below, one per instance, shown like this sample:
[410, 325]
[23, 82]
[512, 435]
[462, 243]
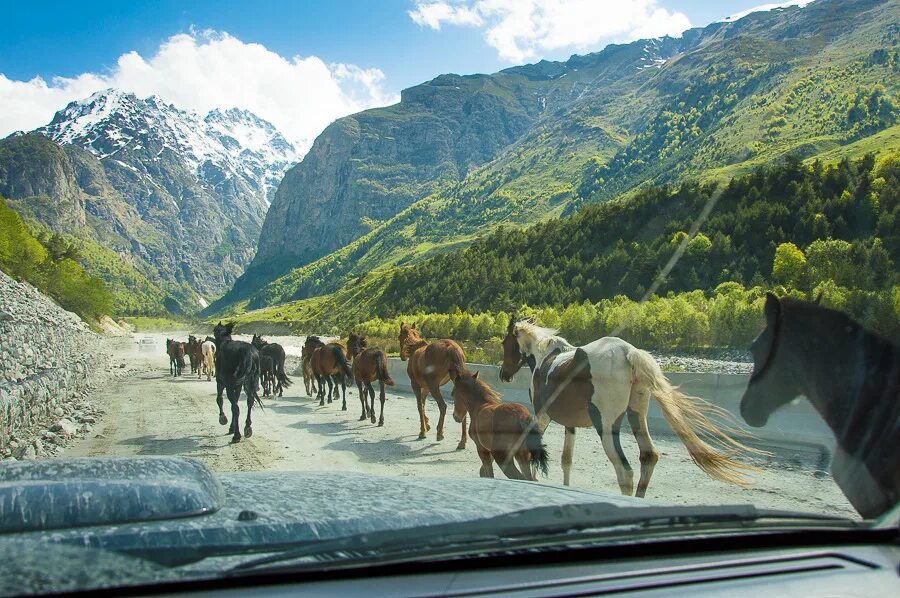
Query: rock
[29, 454]
[58, 411]
[65, 427]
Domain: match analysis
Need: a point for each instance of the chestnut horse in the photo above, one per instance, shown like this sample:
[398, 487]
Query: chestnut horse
[852, 378]
[505, 432]
[368, 364]
[195, 354]
[329, 364]
[430, 366]
[309, 380]
[175, 351]
[599, 384]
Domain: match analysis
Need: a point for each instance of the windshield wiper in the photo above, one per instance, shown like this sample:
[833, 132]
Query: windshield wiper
[538, 521]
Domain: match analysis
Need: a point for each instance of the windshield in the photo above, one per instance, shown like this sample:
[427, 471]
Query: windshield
[277, 281]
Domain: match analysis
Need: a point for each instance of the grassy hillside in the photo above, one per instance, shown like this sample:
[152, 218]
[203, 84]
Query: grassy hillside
[51, 264]
[665, 268]
[817, 83]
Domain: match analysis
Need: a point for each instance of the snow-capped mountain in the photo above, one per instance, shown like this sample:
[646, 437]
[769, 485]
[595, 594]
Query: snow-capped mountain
[119, 126]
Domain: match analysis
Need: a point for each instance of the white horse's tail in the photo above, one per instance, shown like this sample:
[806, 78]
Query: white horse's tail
[709, 444]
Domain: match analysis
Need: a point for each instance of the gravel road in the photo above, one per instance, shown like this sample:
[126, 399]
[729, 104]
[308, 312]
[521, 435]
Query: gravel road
[150, 413]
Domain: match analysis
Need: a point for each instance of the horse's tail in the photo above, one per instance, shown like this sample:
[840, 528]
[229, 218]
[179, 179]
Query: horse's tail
[709, 444]
[342, 362]
[457, 363]
[246, 374]
[381, 369]
[537, 449]
[280, 373]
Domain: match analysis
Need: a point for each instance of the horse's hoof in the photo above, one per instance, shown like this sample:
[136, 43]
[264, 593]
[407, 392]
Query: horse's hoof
[460, 447]
[440, 437]
[344, 408]
[362, 418]
[321, 403]
[372, 419]
[235, 439]
[248, 431]
[330, 401]
[381, 422]
[223, 420]
[428, 427]
[421, 436]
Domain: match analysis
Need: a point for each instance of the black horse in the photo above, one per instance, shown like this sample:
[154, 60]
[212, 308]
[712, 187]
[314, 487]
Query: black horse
[852, 378]
[237, 367]
[266, 374]
[276, 353]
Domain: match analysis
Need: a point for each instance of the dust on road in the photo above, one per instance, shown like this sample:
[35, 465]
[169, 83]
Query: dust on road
[153, 414]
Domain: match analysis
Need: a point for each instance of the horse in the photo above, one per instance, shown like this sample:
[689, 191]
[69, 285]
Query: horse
[502, 432]
[237, 367]
[175, 351]
[368, 364]
[329, 364]
[195, 354]
[430, 366]
[267, 374]
[850, 375]
[208, 348]
[280, 381]
[597, 385]
[309, 380]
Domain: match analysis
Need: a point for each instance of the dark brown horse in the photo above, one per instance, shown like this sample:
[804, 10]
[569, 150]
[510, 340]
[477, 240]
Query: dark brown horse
[369, 364]
[175, 351]
[329, 365]
[195, 354]
[276, 353]
[852, 378]
[503, 432]
[309, 380]
[430, 366]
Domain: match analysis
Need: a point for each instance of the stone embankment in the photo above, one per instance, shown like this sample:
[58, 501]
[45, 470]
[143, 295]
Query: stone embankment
[49, 360]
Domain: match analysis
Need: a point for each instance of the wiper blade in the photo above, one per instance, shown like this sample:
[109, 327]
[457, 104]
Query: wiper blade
[547, 520]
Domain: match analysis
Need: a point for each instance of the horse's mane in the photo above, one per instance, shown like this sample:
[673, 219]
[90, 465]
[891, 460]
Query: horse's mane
[832, 321]
[545, 338]
[485, 392]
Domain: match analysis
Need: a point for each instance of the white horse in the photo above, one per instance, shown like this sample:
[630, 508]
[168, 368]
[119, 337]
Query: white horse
[209, 359]
[598, 384]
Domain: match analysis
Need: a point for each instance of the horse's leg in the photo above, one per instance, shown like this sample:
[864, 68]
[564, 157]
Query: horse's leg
[381, 398]
[234, 395]
[320, 394]
[523, 458]
[370, 394]
[435, 391]
[420, 405]
[462, 440]
[487, 462]
[343, 392]
[330, 381]
[507, 464]
[219, 388]
[637, 419]
[248, 425]
[609, 435]
[362, 399]
[568, 453]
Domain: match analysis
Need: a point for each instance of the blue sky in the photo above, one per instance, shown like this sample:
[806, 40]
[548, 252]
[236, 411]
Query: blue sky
[383, 47]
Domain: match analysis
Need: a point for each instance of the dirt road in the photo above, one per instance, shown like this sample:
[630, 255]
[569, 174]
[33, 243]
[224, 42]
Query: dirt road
[154, 414]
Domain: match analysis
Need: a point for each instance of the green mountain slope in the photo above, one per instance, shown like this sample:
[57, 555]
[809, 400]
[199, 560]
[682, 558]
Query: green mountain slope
[818, 81]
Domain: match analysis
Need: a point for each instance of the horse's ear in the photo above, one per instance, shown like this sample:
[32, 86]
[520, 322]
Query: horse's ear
[818, 300]
[772, 309]
[475, 375]
[415, 325]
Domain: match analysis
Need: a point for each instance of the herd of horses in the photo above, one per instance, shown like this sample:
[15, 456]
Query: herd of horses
[599, 385]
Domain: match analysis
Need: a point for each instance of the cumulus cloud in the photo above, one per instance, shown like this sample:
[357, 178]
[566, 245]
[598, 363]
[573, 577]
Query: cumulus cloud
[204, 70]
[520, 29]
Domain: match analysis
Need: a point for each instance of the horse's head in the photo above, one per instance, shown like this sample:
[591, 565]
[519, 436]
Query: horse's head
[773, 382]
[409, 335]
[356, 344]
[464, 389]
[513, 356]
[222, 331]
[258, 342]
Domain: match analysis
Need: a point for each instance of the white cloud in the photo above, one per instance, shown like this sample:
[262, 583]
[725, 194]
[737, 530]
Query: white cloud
[520, 29]
[766, 7]
[205, 70]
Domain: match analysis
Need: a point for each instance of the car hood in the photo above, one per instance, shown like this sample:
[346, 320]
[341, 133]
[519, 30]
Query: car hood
[253, 512]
